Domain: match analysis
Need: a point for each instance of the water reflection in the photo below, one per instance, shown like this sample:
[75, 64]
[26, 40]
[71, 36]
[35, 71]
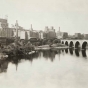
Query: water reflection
[62, 50]
[84, 53]
[71, 51]
[77, 52]
[47, 54]
[46, 70]
[33, 56]
[66, 50]
[3, 66]
[59, 51]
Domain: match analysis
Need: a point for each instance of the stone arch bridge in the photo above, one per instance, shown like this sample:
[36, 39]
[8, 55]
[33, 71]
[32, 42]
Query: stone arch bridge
[83, 44]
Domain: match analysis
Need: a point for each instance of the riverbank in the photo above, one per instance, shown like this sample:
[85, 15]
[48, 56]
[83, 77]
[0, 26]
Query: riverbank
[53, 46]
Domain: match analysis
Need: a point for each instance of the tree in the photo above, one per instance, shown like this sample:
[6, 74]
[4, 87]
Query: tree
[57, 41]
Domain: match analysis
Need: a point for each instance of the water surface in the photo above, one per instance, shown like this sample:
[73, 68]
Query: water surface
[46, 69]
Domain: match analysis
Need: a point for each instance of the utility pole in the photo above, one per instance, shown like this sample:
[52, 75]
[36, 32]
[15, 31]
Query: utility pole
[16, 26]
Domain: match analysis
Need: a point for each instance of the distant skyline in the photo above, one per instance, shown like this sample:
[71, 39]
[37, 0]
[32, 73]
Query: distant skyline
[70, 15]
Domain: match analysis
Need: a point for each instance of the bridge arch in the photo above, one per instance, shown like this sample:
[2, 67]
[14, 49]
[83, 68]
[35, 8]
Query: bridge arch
[71, 44]
[84, 45]
[77, 44]
[62, 42]
[66, 43]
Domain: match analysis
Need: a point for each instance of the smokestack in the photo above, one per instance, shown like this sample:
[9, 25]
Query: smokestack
[31, 26]
[59, 29]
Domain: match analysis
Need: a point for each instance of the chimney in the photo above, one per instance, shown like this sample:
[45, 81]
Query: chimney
[31, 27]
[59, 29]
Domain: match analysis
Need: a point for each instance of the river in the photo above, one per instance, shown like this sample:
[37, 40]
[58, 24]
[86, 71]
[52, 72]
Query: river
[46, 69]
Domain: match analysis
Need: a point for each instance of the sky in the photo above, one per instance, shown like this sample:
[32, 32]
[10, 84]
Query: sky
[70, 15]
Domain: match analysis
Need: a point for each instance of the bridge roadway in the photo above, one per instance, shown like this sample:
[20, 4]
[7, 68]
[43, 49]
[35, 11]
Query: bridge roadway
[83, 44]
